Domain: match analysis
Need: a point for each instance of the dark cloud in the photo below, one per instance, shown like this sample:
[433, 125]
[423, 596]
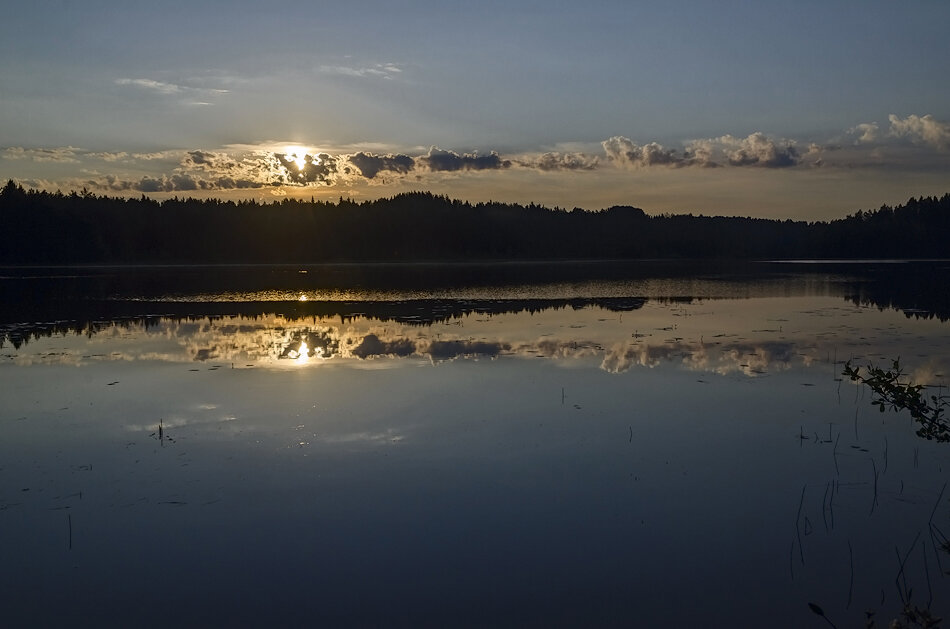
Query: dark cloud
[178, 182]
[181, 181]
[151, 184]
[447, 350]
[371, 345]
[206, 160]
[438, 160]
[109, 182]
[228, 183]
[199, 157]
[370, 165]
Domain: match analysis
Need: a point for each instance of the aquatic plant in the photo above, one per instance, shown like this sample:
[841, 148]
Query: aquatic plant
[893, 391]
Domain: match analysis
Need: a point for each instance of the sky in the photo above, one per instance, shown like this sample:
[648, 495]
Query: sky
[803, 110]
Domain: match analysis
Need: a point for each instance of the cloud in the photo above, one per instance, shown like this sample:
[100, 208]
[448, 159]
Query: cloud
[319, 168]
[624, 356]
[161, 87]
[370, 165]
[206, 160]
[65, 154]
[926, 129]
[869, 132]
[908, 143]
[628, 153]
[155, 86]
[757, 149]
[176, 182]
[157, 155]
[109, 156]
[448, 350]
[371, 346]
[437, 160]
[212, 170]
[555, 161]
[379, 70]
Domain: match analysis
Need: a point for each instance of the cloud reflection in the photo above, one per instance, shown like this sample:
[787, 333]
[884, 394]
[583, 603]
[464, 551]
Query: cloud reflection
[587, 335]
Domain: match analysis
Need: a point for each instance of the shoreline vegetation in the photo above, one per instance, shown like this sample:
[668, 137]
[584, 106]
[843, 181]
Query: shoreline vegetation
[45, 228]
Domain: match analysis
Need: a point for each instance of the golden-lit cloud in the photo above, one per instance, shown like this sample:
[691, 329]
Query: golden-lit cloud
[757, 149]
[910, 143]
[558, 161]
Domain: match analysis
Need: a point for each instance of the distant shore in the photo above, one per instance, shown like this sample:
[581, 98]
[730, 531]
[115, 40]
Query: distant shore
[53, 229]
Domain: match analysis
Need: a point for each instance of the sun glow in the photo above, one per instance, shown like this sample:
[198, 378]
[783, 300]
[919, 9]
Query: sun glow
[298, 155]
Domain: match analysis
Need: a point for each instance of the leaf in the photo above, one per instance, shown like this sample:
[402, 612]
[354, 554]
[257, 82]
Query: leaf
[816, 609]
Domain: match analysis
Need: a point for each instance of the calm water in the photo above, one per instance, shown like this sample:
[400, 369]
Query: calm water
[615, 445]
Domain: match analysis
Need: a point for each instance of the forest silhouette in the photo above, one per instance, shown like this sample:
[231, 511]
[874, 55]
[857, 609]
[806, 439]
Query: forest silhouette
[45, 228]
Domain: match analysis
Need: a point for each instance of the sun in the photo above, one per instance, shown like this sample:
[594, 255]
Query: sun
[297, 155]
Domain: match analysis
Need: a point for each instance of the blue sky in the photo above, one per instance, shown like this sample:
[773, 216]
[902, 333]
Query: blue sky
[803, 110]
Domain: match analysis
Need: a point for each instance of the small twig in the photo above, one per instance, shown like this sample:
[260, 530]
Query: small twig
[874, 502]
[901, 576]
[834, 454]
[851, 581]
[798, 529]
[884, 471]
[937, 504]
[930, 592]
[791, 560]
[934, 532]
[831, 503]
[824, 500]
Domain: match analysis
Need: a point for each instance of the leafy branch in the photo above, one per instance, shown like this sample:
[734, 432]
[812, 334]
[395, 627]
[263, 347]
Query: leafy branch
[894, 392]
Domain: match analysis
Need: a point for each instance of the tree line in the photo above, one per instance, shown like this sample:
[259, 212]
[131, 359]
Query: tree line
[84, 228]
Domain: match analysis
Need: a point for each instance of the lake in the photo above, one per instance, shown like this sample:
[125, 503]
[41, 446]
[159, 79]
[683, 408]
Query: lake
[598, 444]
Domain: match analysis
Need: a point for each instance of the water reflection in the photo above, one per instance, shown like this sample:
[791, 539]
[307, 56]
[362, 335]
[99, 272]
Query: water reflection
[752, 337]
[597, 450]
[307, 343]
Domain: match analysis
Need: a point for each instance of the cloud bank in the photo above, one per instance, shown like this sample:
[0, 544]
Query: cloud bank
[909, 143]
[757, 149]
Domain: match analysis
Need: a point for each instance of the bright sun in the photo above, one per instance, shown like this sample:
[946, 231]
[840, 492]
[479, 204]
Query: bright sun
[296, 154]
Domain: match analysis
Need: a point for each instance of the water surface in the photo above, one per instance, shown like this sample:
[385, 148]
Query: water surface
[551, 445]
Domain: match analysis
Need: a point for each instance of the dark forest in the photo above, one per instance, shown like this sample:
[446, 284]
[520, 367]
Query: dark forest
[84, 228]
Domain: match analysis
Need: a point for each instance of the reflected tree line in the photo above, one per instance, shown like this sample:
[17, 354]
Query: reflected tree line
[77, 228]
[411, 312]
[23, 321]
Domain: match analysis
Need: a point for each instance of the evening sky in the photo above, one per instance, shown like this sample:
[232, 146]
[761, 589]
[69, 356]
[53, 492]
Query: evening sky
[803, 110]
